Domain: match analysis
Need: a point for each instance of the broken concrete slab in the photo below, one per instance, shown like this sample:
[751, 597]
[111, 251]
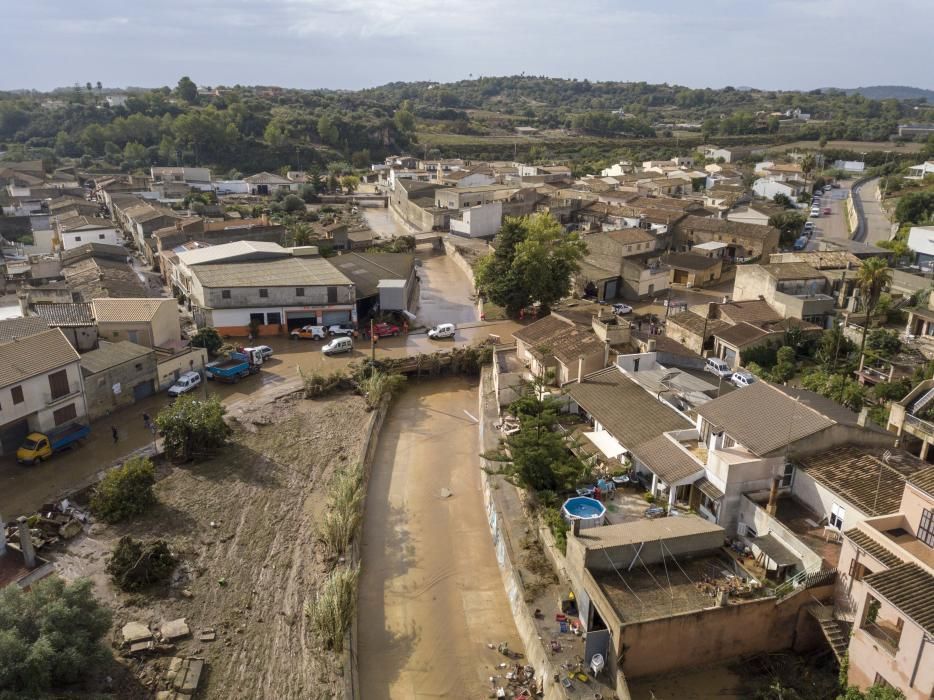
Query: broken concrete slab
[207, 635]
[174, 629]
[135, 632]
[189, 675]
[142, 647]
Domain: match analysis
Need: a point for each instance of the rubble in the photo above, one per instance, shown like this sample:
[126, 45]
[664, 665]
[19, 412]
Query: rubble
[135, 632]
[174, 629]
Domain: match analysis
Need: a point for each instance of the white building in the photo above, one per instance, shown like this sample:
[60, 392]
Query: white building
[850, 166]
[921, 241]
[41, 386]
[116, 100]
[79, 230]
[714, 153]
[624, 167]
[918, 172]
[479, 221]
[768, 187]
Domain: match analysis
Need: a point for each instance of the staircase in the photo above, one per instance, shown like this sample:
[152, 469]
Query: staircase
[922, 402]
[836, 632]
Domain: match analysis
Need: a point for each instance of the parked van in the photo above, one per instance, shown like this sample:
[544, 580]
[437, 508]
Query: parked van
[442, 330]
[338, 345]
[743, 378]
[189, 381]
[716, 366]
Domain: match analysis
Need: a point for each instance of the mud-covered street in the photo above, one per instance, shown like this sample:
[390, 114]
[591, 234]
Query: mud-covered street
[431, 596]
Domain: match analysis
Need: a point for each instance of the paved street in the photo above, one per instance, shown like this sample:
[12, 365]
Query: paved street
[878, 226]
[831, 225]
[431, 597]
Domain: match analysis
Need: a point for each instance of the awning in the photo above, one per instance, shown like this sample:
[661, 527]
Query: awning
[708, 489]
[776, 551]
[606, 443]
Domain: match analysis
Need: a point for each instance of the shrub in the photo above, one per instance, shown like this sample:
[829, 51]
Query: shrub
[293, 203]
[193, 427]
[378, 384]
[344, 511]
[125, 491]
[207, 338]
[316, 384]
[50, 637]
[333, 607]
[558, 525]
[136, 564]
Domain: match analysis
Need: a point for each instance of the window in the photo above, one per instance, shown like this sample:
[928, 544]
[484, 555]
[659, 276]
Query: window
[259, 319]
[225, 294]
[17, 392]
[274, 318]
[837, 514]
[263, 293]
[64, 414]
[100, 236]
[332, 295]
[299, 291]
[139, 366]
[58, 384]
[77, 239]
[858, 570]
[788, 475]
[708, 504]
[926, 527]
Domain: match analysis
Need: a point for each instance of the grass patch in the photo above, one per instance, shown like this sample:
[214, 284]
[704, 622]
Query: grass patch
[493, 312]
[332, 609]
[344, 512]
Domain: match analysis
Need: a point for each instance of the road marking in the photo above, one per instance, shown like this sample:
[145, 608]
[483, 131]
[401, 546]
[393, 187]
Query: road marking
[473, 418]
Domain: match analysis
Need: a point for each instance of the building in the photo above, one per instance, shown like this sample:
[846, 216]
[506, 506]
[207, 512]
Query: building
[238, 285]
[480, 221]
[769, 187]
[414, 201]
[921, 242]
[757, 213]
[911, 130]
[75, 320]
[744, 241]
[732, 343]
[95, 270]
[717, 154]
[622, 264]
[13, 328]
[921, 171]
[694, 331]
[885, 594]
[367, 271]
[152, 323]
[264, 183]
[792, 289]
[190, 178]
[855, 167]
[560, 351]
[117, 375]
[78, 230]
[41, 386]
[693, 270]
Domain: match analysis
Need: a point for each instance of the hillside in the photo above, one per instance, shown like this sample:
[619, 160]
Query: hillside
[894, 92]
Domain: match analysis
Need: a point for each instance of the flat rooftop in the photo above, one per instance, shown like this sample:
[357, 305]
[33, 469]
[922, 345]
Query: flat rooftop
[673, 588]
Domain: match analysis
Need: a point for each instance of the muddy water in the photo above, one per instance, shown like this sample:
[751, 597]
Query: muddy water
[431, 597]
[384, 222]
[446, 292]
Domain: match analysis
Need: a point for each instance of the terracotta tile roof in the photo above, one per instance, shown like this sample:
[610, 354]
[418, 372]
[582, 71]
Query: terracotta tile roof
[763, 419]
[665, 458]
[20, 327]
[540, 330]
[924, 480]
[689, 261]
[564, 341]
[625, 409]
[726, 227]
[33, 355]
[853, 473]
[109, 355]
[694, 323]
[792, 271]
[114, 310]
[741, 334]
[628, 236]
[910, 589]
[66, 314]
[868, 545]
[751, 311]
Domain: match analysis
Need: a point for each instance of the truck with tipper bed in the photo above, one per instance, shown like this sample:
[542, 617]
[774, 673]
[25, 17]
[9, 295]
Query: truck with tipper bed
[239, 364]
[37, 447]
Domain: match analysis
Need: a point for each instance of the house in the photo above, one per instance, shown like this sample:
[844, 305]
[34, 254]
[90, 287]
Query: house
[78, 230]
[623, 167]
[855, 167]
[792, 289]
[368, 270]
[95, 270]
[116, 100]
[117, 375]
[238, 285]
[621, 263]
[716, 154]
[473, 177]
[152, 323]
[694, 331]
[461, 197]
[693, 270]
[264, 184]
[921, 171]
[769, 187]
[885, 593]
[75, 320]
[921, 242]
[744, 241]
[757, 213]
[13, 328]
[915, 129]
[192, 178]
[731, 343]
[479, 221]
[557, 344]
[414, 201]
[41, 386]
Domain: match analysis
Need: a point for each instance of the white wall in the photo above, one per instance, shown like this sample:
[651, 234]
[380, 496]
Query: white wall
[37, 396]
[768, 188]
[73, 239]
[483, 220]
[231, 187]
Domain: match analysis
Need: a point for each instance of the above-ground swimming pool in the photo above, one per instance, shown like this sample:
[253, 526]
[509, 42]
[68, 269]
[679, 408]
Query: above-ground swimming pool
[589, 511]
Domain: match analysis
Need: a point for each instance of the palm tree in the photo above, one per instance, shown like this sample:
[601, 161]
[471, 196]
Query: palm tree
[873, 277]
[808, 163]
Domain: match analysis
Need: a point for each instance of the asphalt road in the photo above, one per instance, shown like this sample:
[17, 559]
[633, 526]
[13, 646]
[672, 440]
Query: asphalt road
[831, 225]
[878, 226]
[431, 597]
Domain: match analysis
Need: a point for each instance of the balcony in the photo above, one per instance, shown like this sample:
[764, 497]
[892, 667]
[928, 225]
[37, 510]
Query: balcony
[884, 634]
[916, 426]
[50, 400]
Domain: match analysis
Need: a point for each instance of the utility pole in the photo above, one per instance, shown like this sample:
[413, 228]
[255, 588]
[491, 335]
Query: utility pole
[372, 342]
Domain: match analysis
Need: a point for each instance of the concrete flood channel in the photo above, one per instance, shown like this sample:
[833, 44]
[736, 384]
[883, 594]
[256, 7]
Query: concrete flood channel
[431, 596]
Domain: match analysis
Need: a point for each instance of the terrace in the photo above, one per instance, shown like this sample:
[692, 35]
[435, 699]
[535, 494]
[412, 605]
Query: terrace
[897, 530]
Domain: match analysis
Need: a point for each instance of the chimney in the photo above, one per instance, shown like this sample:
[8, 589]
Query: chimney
[25, 543]
[772, 507]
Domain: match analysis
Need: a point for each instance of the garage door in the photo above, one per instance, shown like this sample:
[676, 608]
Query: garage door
[12, 435]
[142, 390]
[297, 319]
[333, 317]
[611, 290]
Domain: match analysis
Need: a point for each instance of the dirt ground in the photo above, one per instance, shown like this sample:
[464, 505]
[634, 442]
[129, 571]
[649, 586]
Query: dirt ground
[431, 595]
[244, 526]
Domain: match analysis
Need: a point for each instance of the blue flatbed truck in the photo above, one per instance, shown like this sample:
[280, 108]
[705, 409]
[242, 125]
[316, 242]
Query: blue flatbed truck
[239, 364]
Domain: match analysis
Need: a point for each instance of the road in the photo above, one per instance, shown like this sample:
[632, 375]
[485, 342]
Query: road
[431, 597]
[24, 489]
[878, 227]
[831, 225]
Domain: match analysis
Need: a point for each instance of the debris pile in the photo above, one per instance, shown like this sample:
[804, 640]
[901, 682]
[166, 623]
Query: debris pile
[52, 523]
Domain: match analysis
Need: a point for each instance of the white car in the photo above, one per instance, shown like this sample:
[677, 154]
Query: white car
[718, 367]
[442, 330]
[622, 309]
[335, 346]
[189, 381]
[341, 329]
[264, 350]
[743, 378]
[815, 212]
[309, 332]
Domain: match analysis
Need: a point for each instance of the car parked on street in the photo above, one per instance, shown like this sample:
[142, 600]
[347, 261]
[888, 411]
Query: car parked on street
[309, 333]
[383, 330]
[622, 309]
[815, 212]
[264, 350]
[742, 378]
[718, 367]
[189, 381]
[342, 329]
[338, 345]
[442, 330]
[827, 211]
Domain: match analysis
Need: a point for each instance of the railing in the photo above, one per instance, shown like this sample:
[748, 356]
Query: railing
[809, 578]
[49, 399]
[921, 426]
[886, 639]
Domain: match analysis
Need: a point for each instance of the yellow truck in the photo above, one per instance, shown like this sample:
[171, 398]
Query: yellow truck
[40, 446]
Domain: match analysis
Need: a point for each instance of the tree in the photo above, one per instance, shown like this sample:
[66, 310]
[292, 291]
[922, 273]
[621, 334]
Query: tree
[135, 564]
[192, 427]
[300, 234]
[874, 692]
[314, 179]
[808, 163]
[790, 223]
[327, 131]
[207, 338]
[534, 262]
[50, 637]
[782, 200]
[915, 208]
[872, 278]
[361, 159]
[404, 121]
[350, 183]
[187, 90]
[293, 203]
[125, 491]
[837, 387]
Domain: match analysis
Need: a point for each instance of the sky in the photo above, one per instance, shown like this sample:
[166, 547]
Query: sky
[350, 44]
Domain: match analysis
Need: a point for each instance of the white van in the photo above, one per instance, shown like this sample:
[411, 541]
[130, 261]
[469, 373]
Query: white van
[716, 366]
[338, 345]
[442, 330]
[189, 381]
[743, 378]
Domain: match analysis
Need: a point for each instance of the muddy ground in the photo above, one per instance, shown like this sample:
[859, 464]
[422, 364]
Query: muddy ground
[243, 524]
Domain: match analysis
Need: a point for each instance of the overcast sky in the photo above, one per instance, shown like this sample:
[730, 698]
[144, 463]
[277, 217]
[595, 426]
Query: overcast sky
[773, 44]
